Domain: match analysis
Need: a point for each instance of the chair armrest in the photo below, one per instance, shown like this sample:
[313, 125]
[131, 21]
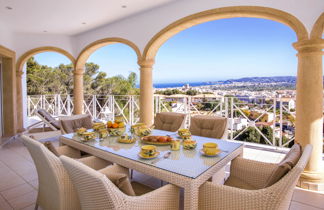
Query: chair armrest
[253, 172]
[94, 162]
[214, 196]
[115, 169]
[166, 197]
[69, 151]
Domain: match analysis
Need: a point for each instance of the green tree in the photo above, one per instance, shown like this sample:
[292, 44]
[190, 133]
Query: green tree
[42, 80]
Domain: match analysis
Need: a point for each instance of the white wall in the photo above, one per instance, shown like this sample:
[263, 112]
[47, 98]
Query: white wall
[24, 42]
[142, 27]
[5, 37]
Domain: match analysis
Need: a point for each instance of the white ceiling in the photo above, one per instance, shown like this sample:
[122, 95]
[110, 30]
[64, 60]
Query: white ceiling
[67, 16]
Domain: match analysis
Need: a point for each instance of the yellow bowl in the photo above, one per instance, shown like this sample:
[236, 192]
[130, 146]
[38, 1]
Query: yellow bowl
[148, 150]
[210, 148]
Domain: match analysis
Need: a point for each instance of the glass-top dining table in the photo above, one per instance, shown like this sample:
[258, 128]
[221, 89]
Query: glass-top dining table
[185, 168]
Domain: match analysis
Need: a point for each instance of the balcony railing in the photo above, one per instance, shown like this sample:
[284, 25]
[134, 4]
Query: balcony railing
[254, 119]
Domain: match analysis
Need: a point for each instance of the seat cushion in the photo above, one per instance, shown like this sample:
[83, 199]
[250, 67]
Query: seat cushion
[122, 182]
[49, 118]
[236, 182]
[49, 145]
[208, 126]
[293, 155]
[141, 189]
[169, 121]
[71, 125]
[285, 165]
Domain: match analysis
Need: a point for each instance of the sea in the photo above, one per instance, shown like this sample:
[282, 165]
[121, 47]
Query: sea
[180, 84]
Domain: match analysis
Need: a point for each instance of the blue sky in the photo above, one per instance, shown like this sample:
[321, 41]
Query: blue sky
[221, 49]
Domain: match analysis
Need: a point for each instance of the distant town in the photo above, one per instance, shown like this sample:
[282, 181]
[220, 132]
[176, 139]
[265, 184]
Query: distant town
[259, 109]
[266, 87]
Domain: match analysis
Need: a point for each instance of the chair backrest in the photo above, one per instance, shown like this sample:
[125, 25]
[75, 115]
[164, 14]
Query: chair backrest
[55, 189]
[282, 191]
[95, 190]
[209, 126]
[71, 123]
[48, 119]
[169, 121]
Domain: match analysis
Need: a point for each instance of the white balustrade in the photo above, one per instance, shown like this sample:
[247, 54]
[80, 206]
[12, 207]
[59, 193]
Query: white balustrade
[270, 112]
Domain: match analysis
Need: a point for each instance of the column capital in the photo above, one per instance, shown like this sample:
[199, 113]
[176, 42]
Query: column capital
[309, 46]
[19, 73]
[78, 71]
[146, 63]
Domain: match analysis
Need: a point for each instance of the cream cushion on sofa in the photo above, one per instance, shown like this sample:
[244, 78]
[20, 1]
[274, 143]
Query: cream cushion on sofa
[208, 126]
[169, 121]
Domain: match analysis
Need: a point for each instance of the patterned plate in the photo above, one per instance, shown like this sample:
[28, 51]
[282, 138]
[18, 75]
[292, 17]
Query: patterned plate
[203, 153]
[148, 158]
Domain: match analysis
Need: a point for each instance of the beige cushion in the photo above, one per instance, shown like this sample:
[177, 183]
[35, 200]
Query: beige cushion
[236, 182]
[122, 182]
[71, 125]
[278, 173]
[49, 118]
[169, 121]
[51, 148]
[141, 189]
[293, 155]
[208, 126]
[285, 165]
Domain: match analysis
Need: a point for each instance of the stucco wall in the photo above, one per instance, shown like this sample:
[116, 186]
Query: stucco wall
[141, 28]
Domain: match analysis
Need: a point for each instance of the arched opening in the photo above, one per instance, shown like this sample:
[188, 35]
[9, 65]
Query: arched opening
[88, 50]
[51, 58]
[240, 68]
[110, 73]
[223, 13]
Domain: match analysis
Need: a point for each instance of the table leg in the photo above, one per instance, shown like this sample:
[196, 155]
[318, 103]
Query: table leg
[191, 196]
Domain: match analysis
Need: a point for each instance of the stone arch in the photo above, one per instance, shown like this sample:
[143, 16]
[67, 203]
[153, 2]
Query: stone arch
[318, 28]
[22, 60]
[222, 13]
[19, 72]
[88, 50]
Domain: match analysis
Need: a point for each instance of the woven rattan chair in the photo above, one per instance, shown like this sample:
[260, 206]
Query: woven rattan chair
[169, 121]
[96, 191]
[276, 196]
[55, 190]
[209, 126]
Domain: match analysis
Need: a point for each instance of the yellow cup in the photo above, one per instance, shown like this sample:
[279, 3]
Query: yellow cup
[210, 148]
[175, 145]
[148, 150]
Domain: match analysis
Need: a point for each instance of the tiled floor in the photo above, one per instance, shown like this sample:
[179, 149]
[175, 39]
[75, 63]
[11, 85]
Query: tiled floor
[18, 179]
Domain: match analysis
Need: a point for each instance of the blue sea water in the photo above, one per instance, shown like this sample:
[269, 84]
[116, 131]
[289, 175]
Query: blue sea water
[179, 84]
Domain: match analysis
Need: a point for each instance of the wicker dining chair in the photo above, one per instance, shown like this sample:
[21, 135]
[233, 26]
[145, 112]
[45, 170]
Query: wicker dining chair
[169, 121]
[209, 126]
[96, 191]
[254, 174]
[55, 190]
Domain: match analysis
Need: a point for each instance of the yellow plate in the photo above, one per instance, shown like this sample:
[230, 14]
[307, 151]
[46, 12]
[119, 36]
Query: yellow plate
[126, 141]
[156, 143]
[155, 155]
[203, 153]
